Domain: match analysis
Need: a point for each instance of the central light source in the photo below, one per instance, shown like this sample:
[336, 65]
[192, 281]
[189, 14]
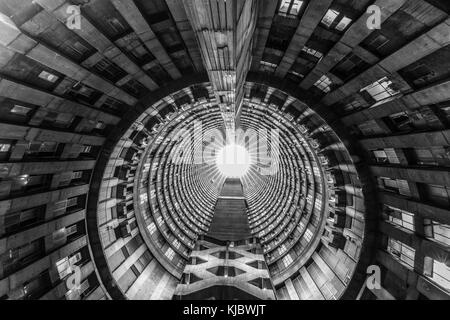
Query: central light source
[233, 161]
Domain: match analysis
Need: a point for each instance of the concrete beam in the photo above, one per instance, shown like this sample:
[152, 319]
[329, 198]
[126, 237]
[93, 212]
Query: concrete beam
[136, 20]
[187, 33]
[34, 50]
[267, 10]
[96, 39]
[308, 23]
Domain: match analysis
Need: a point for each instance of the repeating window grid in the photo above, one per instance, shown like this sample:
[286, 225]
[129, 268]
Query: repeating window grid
[282, 249]
[308, 235]
[48, 76]
[18, 109]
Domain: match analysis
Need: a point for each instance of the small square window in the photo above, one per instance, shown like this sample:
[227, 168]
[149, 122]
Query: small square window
[86, 149]
[284, 6]
[18, 109]
[329, 17]
[290, 7]
[324, 84]
[4, 147]
[381, 89]
[343, 24]
[100, 125]
[71, 230]
[77, 175]
[48, 76]
[72, 202]
[295, 8]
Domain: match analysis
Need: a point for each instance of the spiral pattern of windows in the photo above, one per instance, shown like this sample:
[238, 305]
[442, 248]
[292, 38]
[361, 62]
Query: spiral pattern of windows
[166, 182]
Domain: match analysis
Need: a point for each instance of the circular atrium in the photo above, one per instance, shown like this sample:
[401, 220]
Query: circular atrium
[225, 150]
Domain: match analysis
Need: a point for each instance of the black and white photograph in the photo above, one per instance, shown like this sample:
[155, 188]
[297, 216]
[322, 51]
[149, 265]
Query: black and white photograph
[224, 158]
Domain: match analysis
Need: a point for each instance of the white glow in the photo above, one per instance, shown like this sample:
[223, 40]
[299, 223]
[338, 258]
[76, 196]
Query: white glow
[233, 161]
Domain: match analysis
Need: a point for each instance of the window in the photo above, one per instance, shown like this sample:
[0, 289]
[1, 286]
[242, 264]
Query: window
[441, 274]
[296, 74]
[170, 253]
[386, 156]
[287, 260]
[308, 235]
[19, 257]
[400, 217]
[343, 24]
[18, 109]
[401, 251]
[42, 147]
[72, 202]
[48, 76]
[116, 25]
[16, 220]
[100, 125]
[394, 185]
[64, 265]
[82, 90]
[290, 7]
[329, 17]
[378, 42]
[86, 149]
[71, 230]
[437, 231]
[324, 84]
[151, 227]
[312, 52]
[5, 147]
[77, 175]
[437, 194]
[381, 89]
[267, 66]
[61, 119]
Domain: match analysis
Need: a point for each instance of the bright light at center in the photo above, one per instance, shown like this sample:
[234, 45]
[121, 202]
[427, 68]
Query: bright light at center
[233, 161]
